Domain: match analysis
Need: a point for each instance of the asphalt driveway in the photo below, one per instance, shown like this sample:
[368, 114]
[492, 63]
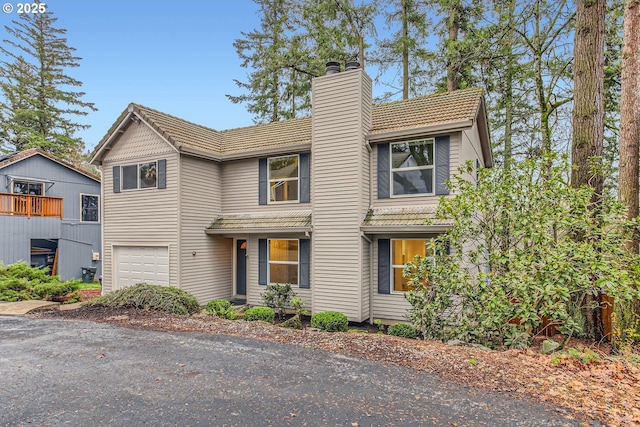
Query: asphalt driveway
[87, 374]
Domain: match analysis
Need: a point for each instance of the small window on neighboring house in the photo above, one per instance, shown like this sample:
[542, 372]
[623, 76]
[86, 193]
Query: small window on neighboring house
[90, 208]
[283, 262]
[283, 173]
[143, 175]
[403, 251]
[412, 167]
[28, 187]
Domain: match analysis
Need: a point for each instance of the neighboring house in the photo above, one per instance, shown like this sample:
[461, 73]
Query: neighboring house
[49, 214]
[333, 204]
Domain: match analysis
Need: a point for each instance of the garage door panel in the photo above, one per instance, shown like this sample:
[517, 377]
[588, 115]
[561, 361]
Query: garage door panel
[141, 264]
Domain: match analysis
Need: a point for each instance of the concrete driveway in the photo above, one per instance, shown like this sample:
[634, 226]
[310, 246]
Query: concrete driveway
[87, 374]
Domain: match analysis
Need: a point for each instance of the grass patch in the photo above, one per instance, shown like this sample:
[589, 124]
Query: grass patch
[92, 285]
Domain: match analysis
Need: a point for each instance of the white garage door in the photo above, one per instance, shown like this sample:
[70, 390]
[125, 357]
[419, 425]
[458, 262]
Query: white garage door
[141, 264]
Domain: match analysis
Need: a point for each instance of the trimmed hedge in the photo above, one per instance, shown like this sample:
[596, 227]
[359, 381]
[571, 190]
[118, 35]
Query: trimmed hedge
[150, 297]
[403, 330]
[330, 321]
[264, 314]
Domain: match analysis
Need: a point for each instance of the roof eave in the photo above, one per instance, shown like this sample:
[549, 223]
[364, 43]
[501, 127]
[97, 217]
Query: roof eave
[194, 152]
[395, 229]
[297, 148]
[423, 130]
[261, 230]
[96, 158]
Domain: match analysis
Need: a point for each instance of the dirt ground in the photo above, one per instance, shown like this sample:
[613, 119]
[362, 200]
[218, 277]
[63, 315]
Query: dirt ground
[606, 389]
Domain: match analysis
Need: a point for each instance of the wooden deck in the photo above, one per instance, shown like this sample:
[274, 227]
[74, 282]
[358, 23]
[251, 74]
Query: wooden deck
[28, 205]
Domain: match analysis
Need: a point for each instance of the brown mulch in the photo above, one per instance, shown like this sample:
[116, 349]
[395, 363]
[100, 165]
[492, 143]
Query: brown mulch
[607, 389]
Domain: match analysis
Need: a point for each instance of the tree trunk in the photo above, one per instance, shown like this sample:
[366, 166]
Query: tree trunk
[588, 120]
[454, 29]
[405, 51]
[630, 116]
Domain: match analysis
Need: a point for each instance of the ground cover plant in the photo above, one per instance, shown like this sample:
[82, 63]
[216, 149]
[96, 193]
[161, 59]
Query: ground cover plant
[20, 282]
[150, 297]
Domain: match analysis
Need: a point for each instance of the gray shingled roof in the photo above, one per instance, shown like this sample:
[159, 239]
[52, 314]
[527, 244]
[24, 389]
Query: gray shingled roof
[409, 216]
[266, 220]
[441, 108]
[18, 156]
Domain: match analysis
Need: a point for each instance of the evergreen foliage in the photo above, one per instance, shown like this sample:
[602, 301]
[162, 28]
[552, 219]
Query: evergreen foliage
[40, 103]
[150, 297]
[19, 282]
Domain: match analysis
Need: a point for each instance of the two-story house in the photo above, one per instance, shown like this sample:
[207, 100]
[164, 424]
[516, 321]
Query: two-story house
[49, 214]
[333, 204]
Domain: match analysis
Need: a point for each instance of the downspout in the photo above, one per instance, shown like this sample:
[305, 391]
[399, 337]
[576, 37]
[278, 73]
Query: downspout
[368, 239]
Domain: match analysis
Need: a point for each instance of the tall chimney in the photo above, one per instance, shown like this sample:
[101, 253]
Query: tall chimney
[352, 65]
[332, 67]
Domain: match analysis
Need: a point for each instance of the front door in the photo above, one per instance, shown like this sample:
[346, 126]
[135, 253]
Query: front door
[241, 267]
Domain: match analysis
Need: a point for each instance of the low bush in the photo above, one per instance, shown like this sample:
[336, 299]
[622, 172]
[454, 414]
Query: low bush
[265, 314]
[19, 282]
[403, 330]
[330, 321]
[221, 308]
[150, 297]
[277, 297]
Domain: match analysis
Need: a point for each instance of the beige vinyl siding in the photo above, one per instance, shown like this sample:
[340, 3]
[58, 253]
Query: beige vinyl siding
[386, 306]
[422, 200]
[338, 128]
[144, 217]
[470, 146]
[254, 290]
[208, 274]
[240, 189]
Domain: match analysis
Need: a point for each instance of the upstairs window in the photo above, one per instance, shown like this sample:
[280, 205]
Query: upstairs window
[27, 187]
[142, 175]
[90, 208]
[412, 167]
[283, 175]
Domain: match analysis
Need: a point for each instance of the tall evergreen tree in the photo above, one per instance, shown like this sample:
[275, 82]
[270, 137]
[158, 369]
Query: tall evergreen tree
[588, 123]
[630, 117]
[266, 53]
[38, 107]
[405, 49]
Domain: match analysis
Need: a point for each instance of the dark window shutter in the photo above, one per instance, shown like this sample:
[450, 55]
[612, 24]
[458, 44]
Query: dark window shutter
[162, 173]
[442, 164]
[305, 255]
[263, 182]
[116, 179]
[384, 171]
[305, 181]
[262, 261]
[384, 266]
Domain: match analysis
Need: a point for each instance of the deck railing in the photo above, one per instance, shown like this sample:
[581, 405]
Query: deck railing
[28, 205]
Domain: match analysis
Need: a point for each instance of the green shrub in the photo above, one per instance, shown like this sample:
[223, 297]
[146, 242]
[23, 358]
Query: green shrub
[330, 321]
[221, 308]
[265, 314]
[19, 282]
[403, 330]
[150, 297]
[277, 297]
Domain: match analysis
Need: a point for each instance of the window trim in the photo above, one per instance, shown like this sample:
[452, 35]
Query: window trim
[393, 267]
[431, 167]
[270, 180]
[28, 181]
[81, 208]
[138, 186]
[269, 262]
